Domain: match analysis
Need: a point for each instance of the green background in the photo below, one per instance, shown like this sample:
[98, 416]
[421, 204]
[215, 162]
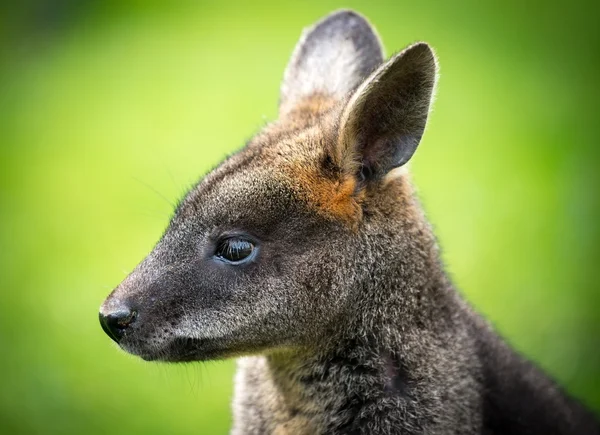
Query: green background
[110, 110]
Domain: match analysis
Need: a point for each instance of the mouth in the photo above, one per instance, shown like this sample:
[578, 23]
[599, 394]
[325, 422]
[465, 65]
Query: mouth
[179, 349]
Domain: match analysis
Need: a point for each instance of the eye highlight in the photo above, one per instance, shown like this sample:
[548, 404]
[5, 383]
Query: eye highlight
[235, 250]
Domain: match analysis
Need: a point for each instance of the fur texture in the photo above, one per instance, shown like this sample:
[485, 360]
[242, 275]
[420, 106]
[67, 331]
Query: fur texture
[343, 318]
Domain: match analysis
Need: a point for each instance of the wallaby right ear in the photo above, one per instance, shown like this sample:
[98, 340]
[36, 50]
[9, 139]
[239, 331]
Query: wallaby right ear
[331, 59]
[384, 120]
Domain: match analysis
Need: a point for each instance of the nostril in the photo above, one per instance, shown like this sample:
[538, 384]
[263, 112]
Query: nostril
[123, 318]
[115, 323]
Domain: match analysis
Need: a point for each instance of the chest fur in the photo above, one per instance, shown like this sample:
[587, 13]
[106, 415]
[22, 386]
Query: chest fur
[372, 397]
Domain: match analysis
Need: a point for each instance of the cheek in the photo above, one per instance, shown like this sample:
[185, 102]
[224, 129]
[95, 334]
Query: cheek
[326, 285]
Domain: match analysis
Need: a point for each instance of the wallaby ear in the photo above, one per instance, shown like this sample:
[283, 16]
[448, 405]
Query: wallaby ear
[385, 118]
[331, 59]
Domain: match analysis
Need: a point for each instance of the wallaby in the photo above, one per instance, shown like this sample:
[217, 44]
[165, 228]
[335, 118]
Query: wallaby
[307, 255]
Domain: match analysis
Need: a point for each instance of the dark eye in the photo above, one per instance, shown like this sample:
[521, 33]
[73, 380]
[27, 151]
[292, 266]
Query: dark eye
[234, 250]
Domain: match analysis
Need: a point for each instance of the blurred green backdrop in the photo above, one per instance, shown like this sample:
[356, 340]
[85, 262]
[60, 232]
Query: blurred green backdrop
[109, 110]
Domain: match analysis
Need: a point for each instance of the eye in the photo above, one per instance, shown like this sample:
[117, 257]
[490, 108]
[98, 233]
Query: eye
[235, 250]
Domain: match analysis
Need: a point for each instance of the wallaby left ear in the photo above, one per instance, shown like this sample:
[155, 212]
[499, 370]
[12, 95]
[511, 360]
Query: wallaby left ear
[332, 58]
[385, 118]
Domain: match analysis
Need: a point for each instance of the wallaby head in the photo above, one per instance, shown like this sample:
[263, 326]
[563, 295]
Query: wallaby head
[278, 246]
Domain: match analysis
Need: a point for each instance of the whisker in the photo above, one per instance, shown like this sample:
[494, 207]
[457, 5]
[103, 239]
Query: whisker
[155, 191]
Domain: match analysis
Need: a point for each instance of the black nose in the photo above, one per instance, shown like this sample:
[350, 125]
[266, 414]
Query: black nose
[115, 323]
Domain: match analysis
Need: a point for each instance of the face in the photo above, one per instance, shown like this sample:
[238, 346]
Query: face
[270, 250]
[247, 264]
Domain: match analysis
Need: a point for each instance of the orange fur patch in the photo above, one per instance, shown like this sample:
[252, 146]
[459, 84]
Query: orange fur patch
[313, 123]
[334, 199]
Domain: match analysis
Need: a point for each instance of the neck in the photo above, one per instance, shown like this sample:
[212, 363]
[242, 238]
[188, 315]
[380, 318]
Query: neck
[388, 361]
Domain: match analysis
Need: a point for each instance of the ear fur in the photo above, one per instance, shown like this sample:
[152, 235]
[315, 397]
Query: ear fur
[331, 59]
[385, 118]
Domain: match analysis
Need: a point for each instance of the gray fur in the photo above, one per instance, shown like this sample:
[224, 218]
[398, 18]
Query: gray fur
[345, 320]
